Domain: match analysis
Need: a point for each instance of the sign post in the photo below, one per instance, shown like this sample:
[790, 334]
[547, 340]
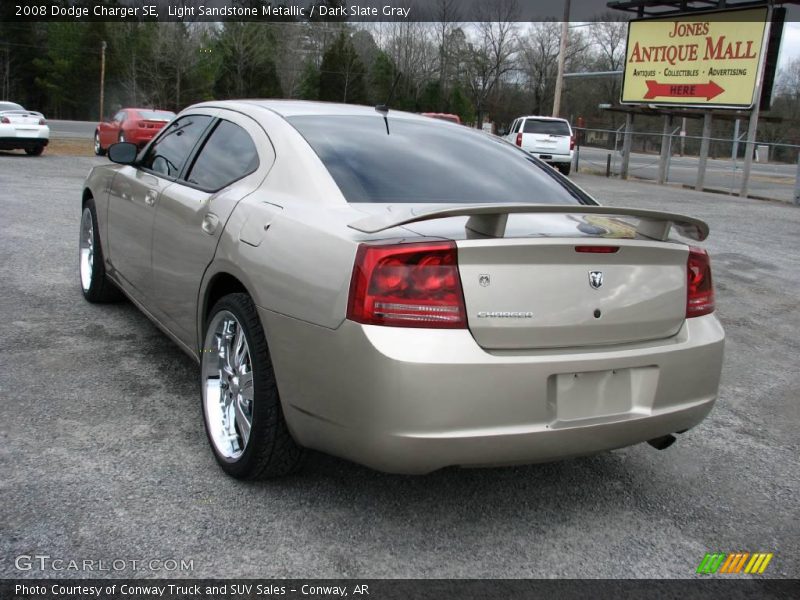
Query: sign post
[704, 144]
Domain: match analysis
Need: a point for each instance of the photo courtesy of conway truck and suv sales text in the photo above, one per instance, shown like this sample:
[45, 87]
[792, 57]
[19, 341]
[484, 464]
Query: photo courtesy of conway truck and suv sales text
[400, 291]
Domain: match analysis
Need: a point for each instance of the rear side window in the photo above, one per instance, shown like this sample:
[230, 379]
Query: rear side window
[168, 153]
[514, 126]
[228, 154]
[401, 160]
[546, 127]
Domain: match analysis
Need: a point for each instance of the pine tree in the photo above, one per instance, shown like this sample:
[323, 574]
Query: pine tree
[342, 73]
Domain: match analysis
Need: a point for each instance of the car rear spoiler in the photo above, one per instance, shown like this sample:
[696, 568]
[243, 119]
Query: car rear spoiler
[490, 219]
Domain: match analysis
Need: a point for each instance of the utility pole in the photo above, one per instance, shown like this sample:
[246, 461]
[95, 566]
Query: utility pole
[102, 76]
[562, 50]
[752, 128]
[7, 75]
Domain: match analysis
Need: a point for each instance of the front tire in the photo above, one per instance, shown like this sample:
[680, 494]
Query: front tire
[241, 407]
[96, 287]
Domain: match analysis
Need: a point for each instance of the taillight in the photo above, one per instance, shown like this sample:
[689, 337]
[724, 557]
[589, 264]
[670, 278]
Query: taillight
[572, 142]
[42, 122]
[139, 124]
[407, 285]
[519, 139]
[5, 121]
[700, 292]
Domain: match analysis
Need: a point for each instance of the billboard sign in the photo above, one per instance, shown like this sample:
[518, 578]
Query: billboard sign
[708, 59]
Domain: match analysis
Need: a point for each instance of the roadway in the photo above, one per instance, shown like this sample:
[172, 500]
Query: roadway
[103, 454]
[768, 180]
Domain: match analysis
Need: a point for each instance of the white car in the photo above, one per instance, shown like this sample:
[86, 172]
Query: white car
[22, 129]
[547, 138]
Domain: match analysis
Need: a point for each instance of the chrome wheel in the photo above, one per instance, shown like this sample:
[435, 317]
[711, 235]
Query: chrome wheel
[227, 381]
[86, 249]
[97, 148]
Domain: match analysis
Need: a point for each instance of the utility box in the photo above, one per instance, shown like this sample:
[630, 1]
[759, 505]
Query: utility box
[762, 153]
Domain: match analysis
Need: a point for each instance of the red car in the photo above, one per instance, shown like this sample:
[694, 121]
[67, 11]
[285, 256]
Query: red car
[137, 125]
[443, 116]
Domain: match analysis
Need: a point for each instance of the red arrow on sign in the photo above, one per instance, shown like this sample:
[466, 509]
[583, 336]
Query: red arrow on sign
[682, 90]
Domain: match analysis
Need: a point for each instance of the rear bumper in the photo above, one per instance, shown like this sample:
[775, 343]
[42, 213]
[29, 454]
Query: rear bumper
[21, 141]
[414, 400]
[552, 158]
[141, 138]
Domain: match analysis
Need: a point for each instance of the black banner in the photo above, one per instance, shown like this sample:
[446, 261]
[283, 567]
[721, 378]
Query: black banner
[330, 10]
[382, 589]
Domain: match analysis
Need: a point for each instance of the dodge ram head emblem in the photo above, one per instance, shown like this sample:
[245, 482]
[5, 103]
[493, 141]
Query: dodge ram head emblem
[596, 279]
[484, 280]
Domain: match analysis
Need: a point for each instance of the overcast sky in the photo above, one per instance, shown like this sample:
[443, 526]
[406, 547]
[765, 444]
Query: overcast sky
[790, 44]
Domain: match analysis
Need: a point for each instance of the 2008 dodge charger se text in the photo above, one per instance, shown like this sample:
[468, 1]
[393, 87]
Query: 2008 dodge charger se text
[406, 293]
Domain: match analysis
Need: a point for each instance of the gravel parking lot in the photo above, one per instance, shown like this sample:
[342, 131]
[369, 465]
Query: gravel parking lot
[103, 454]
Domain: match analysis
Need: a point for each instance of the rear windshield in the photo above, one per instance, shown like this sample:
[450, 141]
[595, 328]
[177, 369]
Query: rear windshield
[427, 162]
[10, 106]
[546, 126]
[156, 115]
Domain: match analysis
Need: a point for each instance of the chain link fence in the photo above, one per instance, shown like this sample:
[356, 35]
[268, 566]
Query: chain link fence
[774, 174]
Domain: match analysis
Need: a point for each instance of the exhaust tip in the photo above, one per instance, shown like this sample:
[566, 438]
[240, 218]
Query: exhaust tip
[663, 442]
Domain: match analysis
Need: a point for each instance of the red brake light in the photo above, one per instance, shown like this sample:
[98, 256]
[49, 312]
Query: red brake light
[597, 249]
[5, 120]
[572, 142]
[42, 121]
[519, 139]
[407, 285]
[700, 292]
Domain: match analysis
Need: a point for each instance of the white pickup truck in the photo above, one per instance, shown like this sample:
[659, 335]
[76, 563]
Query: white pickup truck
[547, 138]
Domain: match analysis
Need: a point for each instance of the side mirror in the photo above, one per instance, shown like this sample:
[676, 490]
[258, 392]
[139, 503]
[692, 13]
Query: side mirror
[123, 153]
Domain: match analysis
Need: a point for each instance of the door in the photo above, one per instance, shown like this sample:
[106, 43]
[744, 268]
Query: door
[191, 215]
[133, 199]
[109, 130]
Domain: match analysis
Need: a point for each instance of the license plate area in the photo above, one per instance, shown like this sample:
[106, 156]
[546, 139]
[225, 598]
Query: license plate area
[601, 395]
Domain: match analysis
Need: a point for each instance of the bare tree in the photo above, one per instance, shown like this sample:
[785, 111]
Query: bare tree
[447, 14]
[492, 55]
[608, 35]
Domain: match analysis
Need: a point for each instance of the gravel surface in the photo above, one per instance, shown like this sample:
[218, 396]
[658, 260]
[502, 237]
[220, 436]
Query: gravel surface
[103, 454]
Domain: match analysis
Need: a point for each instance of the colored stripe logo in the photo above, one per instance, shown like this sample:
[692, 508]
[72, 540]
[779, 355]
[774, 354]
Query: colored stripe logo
[734, 562]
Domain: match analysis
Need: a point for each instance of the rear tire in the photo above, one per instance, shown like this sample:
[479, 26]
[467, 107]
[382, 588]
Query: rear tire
[241, 406]
[565, 168]
[36, 151]
[95, 285]
[98, 149]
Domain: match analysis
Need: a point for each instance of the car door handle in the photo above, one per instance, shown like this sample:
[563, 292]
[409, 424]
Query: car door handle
[210, 222]
[150, 197]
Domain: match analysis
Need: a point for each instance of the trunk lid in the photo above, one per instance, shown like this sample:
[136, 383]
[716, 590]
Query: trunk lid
[22, 118]
[154, 124]
[542, 293]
